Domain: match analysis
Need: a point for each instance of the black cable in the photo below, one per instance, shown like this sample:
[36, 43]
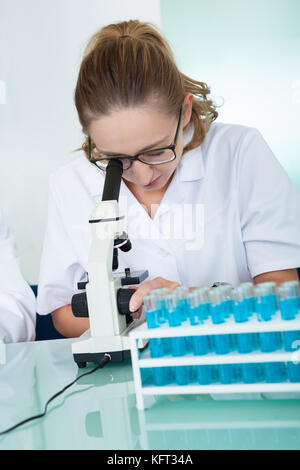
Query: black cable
[103, 362]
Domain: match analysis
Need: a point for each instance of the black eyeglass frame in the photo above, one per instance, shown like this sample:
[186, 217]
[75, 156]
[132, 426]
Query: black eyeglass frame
[137, 156]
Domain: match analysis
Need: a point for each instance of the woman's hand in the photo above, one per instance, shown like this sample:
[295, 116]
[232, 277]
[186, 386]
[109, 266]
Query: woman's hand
[136, 301]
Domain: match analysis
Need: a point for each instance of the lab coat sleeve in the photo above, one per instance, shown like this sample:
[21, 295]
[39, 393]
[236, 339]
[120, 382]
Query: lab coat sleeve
[17, 301]
[60, 270]
[269, 208]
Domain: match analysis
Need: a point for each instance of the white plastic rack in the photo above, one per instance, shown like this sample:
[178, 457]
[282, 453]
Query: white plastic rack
[143, 360]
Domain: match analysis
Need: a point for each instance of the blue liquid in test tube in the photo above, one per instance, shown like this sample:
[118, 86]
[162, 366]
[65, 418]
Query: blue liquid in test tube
[222, 343]
[162, 375]
[199, 344]
[173, 310]
[266, 304]
[205, 374]
[192, 301]
[178, 345]
[245, 342]
[266, 307]
[217, 306]
[156, 346]
[182, 375]
[293, 372]
[251, 373]
[270, 341]
[240, 308]
[249, 298]
[274, 372]
[160, 295]
[181, 294]
[288, 299]
[151, 311]
[291, 340]
[227, 299]
[204, 308]
[228, 373]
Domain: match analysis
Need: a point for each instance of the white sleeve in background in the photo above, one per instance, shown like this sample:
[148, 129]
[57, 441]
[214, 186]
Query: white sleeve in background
[17, 301]
[269, 209]
[60, 269]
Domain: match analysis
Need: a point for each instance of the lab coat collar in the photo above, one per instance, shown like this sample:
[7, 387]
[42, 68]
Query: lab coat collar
[191, 166]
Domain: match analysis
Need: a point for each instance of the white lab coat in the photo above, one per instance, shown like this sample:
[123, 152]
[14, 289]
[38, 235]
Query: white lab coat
[247, 222]
[17, 301]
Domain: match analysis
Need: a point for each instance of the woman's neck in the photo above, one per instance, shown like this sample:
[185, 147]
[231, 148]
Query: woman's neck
[150, 200]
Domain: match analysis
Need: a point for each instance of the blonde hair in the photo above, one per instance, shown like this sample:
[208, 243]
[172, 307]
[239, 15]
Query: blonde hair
[129, 63]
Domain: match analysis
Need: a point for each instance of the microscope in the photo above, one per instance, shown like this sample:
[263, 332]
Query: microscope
[105, 299]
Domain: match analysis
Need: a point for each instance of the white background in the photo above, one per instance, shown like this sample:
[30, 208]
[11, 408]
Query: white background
[41, 46]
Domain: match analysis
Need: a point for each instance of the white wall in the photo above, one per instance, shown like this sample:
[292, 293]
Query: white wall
[41, 45]
[248, 54]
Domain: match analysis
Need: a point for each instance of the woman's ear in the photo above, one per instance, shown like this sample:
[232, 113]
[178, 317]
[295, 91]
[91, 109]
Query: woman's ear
[187, 109]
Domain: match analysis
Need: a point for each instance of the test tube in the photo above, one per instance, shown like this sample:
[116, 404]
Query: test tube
[274, 372]
[266, 305]
[266, 308]
[182, 375]
[162, 375]
[204, 307]
[182, 293]
[293, 372]
[146, 376]
[288, 299]
[173, 310]
[217, 306]
[291, 340]
[205, 374]
[151, 311]
[228, 373]
[160, 295]
[228, 300]
[178, 345]
[192, 300]
[245, 342]
[251, 373]
[199, 344]
[240, 307]
[156, 346]
[248, 292]
[222, 343]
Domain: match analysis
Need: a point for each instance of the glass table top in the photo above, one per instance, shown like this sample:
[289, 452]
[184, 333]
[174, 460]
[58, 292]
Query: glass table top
[99, 411]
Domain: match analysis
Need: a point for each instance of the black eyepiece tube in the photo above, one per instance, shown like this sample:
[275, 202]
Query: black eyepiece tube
[112, 182]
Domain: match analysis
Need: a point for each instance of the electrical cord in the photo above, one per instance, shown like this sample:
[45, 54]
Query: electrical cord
[103, 362]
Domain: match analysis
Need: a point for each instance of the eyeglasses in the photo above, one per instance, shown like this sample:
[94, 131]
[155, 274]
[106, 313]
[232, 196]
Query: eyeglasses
[150, 157]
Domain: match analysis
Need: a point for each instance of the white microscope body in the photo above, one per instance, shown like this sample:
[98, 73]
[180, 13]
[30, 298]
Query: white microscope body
[104, 294]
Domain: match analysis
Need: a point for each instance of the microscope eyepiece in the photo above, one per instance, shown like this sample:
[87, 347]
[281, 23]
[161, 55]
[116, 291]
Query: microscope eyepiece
[112, 182]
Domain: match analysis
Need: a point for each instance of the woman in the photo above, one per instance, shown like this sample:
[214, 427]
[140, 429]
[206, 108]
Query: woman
[204, 201]
[17, 302]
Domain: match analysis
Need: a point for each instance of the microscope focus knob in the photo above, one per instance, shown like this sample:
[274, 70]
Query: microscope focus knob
[80, 305]
[123, 299]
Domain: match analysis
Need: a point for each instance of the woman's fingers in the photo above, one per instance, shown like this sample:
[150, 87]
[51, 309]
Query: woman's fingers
[136, 300]
[138, 313]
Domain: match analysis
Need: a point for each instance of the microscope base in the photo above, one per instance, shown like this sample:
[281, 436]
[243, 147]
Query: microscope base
[89, 348]
[116, 356]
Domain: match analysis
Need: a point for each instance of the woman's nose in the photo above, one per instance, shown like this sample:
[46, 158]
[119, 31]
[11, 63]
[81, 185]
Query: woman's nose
[142, 173]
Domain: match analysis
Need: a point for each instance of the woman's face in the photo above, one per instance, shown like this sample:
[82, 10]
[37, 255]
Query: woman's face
[130, 131]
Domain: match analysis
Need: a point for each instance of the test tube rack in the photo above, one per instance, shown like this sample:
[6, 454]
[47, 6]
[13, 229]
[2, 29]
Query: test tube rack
[142, 361]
